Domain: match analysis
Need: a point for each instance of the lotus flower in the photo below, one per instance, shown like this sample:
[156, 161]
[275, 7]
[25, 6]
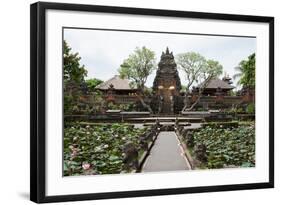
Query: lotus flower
[86, 166]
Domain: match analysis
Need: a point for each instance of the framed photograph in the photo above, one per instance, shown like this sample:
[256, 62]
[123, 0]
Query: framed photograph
[129, 102]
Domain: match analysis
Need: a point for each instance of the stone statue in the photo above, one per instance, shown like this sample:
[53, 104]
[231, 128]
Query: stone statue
[200, 152]
[130, 159]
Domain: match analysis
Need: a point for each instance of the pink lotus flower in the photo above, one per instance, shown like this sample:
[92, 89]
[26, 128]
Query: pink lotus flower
[86, 166]
[74, 154]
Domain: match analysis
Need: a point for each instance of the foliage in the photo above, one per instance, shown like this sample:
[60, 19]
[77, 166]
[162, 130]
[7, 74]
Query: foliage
[235, 110]
[72, 70]
[71, 99]
[231, 124]
[232, 93]
[197, 70]
[213, 68]
[201, 109]
[76, 100]
[73, 77]
[147, 91]
[123, 107]
[68, 103]
[97, 101]
[250, 109]
[97, 146]
[93, 82]
[83, 104]
[228, 147]
[246, 70]
[183, 88]
[92, 103]
[138, 66]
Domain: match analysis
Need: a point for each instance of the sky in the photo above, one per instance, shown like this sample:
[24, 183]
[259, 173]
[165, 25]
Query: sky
[102, 52]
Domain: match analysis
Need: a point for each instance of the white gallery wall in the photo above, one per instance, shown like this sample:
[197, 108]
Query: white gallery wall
[14, 100]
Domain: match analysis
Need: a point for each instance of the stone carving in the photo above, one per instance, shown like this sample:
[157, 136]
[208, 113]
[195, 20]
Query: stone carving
[189, 139]
[130, 156]
[166, 85]
[143, 141]
[200, 152]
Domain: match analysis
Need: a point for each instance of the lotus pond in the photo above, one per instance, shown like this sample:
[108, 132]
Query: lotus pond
[97, 149]
[227, 147]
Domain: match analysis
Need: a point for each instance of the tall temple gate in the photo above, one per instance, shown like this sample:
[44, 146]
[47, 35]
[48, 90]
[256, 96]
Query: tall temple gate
[167, 86]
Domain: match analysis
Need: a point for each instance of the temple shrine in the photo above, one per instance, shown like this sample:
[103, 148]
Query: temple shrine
[167, 98]
[167, 86]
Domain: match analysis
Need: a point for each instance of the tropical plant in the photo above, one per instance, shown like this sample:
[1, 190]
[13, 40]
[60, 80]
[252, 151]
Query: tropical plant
[93, 82]
[250, 108]
[197, 70]
[227, 147]
[123, 107]
[137, 67]
[97, 149]
[73, 77]
[246, 72]
[72, 70]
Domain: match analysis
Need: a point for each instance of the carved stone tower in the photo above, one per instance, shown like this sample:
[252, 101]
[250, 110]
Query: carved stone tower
[166, 86]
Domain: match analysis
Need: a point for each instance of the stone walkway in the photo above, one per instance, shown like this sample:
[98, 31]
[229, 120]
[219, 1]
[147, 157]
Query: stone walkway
[166, 155]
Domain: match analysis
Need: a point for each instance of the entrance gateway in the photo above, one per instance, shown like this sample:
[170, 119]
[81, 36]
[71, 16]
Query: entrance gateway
[167, 86]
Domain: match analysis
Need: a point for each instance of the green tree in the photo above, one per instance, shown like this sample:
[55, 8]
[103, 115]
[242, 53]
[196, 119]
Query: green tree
[137, 67]
[198, 70]
[72, 70]
[246, 72]
[93, 82]
[73, 77]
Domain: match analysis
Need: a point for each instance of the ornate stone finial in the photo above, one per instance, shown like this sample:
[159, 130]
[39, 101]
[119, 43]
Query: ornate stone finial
[111, 86]
[227, 79]
[167, 50]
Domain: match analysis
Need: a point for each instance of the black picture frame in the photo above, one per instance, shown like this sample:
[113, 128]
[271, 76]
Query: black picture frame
[38, 100]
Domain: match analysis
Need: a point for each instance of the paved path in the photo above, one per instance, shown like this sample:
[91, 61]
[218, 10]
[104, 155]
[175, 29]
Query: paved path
[166, 155]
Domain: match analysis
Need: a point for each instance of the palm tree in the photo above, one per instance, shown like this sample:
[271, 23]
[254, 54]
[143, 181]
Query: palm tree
[239, 74]
[246, 71]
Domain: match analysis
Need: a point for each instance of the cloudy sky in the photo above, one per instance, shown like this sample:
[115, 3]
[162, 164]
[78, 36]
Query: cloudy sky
[102, 52]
